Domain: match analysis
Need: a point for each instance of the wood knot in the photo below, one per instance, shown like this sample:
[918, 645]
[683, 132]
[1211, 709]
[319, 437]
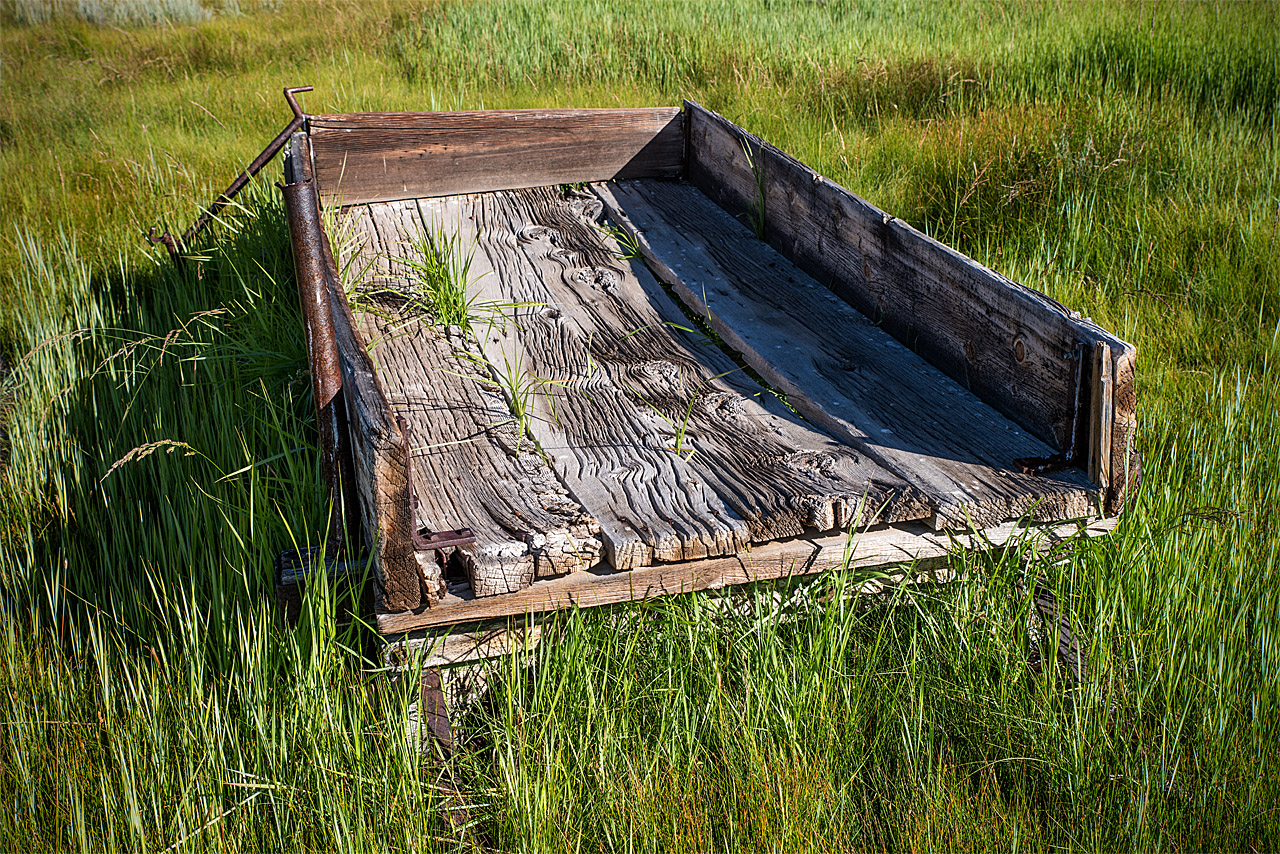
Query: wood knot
[724, 404]
[1019, 349]
[661, 369]
[812, 462]
[970, 351]
[534, 233]
[586, 208]
[595, 278]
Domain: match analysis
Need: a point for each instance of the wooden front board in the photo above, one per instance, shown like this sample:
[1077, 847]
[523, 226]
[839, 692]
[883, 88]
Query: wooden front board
[375, 157]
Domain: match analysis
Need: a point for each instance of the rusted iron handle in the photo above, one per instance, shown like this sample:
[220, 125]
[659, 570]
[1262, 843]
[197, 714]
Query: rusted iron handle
[178, 245]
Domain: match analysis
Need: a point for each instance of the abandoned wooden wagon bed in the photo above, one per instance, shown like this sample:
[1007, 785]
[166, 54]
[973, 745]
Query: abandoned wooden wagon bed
[684, 360]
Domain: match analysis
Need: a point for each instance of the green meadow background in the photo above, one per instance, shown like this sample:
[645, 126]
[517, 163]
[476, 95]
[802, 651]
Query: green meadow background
[158, 446]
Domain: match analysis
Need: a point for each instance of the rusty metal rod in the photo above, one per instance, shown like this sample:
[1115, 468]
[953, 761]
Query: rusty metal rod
[178, 245]
[306, 235]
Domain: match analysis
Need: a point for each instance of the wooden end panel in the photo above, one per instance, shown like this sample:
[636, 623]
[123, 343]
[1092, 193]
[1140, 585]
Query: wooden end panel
[1126, 464]
[369, 157]
[1015, 348]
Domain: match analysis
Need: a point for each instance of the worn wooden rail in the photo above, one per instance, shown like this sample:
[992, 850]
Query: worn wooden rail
[1026, 355]
[899, 551]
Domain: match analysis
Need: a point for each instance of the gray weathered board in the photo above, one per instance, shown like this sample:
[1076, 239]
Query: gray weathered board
[614, 375]
[470, 466]
[677, 451]
[1017, 349]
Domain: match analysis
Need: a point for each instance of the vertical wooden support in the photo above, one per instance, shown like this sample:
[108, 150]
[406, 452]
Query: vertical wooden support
[435, 711]
[434, 714]
[1126, 463]
[1100, 416]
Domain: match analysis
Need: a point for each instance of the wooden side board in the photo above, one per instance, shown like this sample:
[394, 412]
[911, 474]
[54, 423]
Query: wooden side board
[1021, 352]
[908, 544]
[372, 157]
[377, 448]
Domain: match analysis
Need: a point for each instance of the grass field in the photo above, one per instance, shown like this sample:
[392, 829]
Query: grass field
[159, 448]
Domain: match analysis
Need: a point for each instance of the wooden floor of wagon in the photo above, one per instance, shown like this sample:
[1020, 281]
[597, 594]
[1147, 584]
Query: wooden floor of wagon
[646, 384]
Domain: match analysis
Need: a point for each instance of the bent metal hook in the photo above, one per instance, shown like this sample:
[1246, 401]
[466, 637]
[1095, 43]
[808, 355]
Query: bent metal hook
[179, 245]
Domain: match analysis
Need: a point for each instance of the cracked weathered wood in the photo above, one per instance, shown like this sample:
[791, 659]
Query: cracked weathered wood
[838, 369]
[471, 468]
[377, 454]
[910, 548]
[661, 435]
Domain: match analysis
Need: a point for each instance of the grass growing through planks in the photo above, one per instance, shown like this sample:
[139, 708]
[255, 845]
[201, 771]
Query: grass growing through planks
[627, 243]
[1121, 158]
[518, 386]
[441, 267]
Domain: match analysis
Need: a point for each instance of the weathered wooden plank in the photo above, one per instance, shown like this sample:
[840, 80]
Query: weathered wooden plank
[1101, 389]
[838, 369]
[362, 158]
[1014, 347]
[470, 467]
[465, 644]
[380, 462]
[632, 390]
[376, 448]
[1126, 464]
[907, 544]
[609, 450]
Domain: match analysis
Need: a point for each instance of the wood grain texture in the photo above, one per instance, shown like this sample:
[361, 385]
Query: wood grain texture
[369, 157]
[1126, 463]
[659, 433]
[1102, 390]
[911, 546]
[464, 644]
[377, 453]
[470, 467]
[1009, 344]
[838, 369]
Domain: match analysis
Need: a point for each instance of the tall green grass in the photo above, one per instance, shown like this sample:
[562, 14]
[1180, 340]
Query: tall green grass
[1121, 158]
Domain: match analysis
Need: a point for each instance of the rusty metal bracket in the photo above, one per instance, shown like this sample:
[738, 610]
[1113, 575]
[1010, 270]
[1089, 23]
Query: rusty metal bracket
[177, 245]
[423, 539]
